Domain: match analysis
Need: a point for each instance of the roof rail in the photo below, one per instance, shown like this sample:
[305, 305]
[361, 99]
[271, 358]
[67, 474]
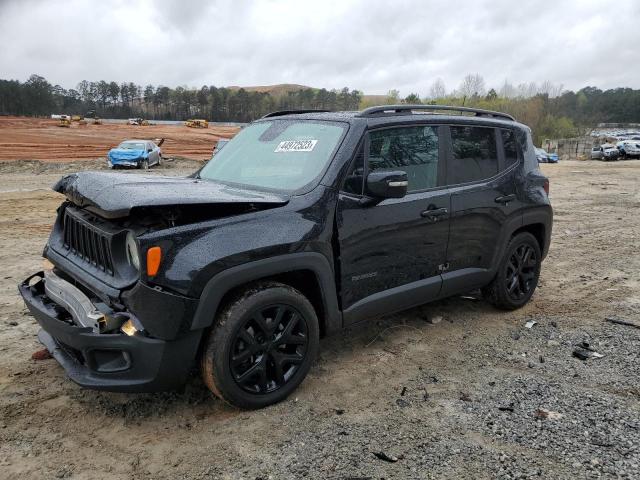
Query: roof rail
[408, 110]
[292, 112]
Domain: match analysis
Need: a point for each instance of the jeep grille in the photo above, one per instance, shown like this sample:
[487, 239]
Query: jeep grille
[87, 243]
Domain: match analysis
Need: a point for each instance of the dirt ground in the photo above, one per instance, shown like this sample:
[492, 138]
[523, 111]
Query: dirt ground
[456, 399]
[23, 138]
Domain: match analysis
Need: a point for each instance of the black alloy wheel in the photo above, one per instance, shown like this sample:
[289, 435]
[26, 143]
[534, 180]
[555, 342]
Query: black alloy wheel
[261, 345]
[517, 275]
[269, 348]
[521, 271]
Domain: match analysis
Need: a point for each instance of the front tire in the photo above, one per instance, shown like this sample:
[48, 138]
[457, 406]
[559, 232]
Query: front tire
[517, 275]
[144, 165]
[261, 346]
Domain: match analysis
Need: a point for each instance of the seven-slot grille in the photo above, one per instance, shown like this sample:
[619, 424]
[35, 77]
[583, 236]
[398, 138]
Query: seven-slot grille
[87, 243]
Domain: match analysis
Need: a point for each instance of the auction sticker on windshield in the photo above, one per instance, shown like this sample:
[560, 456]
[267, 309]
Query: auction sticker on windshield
[296, 146]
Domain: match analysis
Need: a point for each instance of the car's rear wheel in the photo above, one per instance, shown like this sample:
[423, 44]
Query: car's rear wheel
[261, 345]
[517, 275]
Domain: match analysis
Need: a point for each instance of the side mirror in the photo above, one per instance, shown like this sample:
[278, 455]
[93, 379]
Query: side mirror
[387, 184]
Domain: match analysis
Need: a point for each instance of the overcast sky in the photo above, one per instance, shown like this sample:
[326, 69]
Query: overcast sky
[369, 45]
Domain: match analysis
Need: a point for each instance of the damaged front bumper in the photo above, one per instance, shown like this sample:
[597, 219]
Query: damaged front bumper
[124, 163]
[103, 361]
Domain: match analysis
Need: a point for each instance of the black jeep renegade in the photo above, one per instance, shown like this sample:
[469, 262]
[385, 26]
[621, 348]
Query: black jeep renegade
[305, 223]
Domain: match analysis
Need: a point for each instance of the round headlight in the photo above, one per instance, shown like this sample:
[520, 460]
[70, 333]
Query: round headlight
[132, 251]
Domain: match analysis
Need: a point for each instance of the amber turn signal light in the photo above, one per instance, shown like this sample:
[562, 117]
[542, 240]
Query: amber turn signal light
[154, 255]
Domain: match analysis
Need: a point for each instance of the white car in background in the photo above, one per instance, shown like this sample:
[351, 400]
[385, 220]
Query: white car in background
[606, 152]
[629, 148]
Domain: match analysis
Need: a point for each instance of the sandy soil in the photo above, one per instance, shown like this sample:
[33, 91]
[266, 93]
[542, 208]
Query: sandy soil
[23, 138]
[453, 400]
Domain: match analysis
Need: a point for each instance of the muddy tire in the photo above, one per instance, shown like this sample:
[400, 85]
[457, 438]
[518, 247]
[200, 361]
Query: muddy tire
[517, 275]
[261, 345]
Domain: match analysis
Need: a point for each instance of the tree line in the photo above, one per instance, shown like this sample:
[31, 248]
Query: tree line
[550, 110]
[37, 96]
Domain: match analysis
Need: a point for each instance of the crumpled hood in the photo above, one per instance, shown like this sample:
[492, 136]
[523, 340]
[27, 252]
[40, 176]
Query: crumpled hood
[125, 154]
[114, 195]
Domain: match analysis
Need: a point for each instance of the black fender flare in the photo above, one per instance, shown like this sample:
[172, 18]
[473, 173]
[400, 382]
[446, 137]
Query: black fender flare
[220, 284]
[541, 215]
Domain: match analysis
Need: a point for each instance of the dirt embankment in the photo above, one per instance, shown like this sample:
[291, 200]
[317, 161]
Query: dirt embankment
[23, 138]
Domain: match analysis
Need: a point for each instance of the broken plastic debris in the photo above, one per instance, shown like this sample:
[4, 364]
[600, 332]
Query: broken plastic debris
[530, 323]
[386, 458]
[581, 353]
[586, 346]
[584, 351]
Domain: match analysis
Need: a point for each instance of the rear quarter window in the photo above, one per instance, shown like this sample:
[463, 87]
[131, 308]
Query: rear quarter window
[474, 155]
[511, 150]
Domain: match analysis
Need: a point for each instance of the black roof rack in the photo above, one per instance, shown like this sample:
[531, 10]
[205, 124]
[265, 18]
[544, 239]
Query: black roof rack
[408, 110]
[292, 112]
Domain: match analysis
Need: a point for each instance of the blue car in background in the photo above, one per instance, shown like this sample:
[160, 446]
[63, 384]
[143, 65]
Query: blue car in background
[544, 157]
[136, 154]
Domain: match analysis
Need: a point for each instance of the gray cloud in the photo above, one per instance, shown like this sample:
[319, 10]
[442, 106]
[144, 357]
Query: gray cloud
[372, 46]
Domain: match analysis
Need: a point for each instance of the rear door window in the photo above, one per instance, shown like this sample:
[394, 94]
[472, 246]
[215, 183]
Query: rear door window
[474, 155]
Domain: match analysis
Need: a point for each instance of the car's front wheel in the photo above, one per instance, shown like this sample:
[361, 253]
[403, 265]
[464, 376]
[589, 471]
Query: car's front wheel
[145, 164]
[517, 275]
[261, 345]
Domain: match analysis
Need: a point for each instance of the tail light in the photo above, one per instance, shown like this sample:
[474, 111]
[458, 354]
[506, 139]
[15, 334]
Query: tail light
[545, 185]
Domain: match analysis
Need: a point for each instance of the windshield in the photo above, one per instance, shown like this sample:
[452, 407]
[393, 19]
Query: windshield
[276, 154]
[131, 146]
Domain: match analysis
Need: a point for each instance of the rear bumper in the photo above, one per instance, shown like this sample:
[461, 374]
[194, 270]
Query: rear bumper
[114, 362]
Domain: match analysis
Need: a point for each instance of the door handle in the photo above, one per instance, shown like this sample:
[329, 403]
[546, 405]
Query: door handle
[504, 199]
[434, 213]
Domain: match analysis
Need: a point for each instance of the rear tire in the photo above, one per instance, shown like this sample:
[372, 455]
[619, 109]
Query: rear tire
[261, 346]
[517, 275]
